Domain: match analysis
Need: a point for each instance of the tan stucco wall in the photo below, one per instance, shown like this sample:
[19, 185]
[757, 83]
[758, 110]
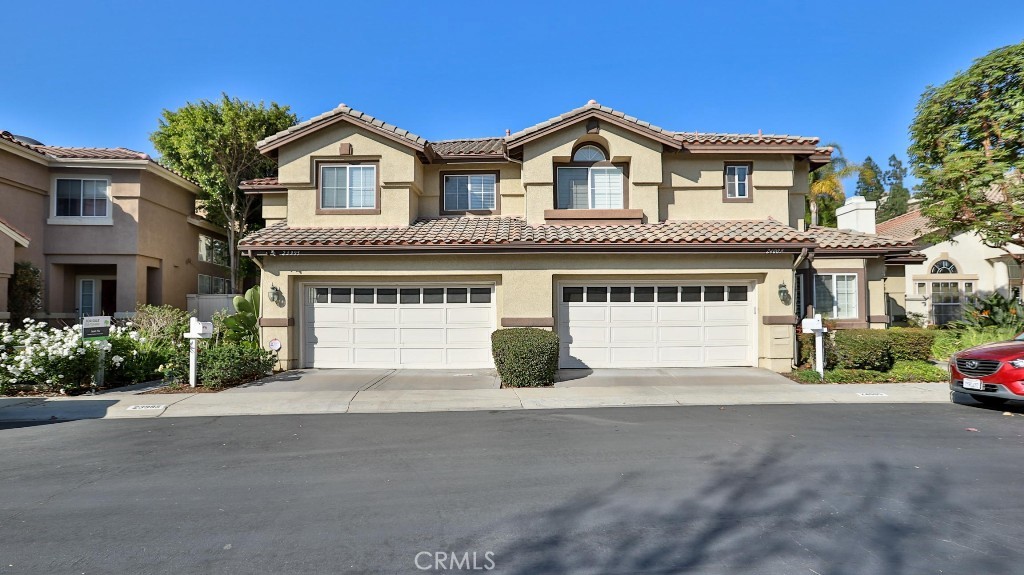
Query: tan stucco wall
[275, 207]
[525, 284]
[510, 186]
[693, 185]
[399, 173]
[24, 202]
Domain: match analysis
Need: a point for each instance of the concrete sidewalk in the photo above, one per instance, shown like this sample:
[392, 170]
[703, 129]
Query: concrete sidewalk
[118, 405]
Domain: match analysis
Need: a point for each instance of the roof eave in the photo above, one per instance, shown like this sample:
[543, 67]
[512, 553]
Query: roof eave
[531, 247]
[663, 138]
[269, 147]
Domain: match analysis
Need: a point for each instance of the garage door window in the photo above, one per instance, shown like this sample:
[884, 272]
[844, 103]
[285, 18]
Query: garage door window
[433, 295]
[363, 295]
[410, 296]
[645, 294]
[479, 295]
[341, 295]
[714, 293]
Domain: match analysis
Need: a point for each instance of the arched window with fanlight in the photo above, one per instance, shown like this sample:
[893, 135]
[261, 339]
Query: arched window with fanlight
[589, 181]
[944, 267]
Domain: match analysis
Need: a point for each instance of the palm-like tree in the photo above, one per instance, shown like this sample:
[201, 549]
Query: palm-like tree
[826, 186]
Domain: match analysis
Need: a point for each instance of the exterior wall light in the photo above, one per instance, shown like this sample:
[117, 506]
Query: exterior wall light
[784, 293]
[276, 296]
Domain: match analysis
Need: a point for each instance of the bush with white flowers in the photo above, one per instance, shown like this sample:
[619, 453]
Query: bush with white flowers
[40, 358]
[132, 358]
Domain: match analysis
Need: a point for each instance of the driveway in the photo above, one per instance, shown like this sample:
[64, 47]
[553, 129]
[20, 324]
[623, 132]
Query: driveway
[458, 379]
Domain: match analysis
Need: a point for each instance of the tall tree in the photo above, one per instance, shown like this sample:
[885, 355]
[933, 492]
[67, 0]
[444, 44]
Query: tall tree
[898, 197]
[968, 150]
[214, 144]
[869, 181]
[826, 187]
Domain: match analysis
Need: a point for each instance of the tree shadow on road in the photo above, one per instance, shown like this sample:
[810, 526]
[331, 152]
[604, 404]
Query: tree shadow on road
[757, 514]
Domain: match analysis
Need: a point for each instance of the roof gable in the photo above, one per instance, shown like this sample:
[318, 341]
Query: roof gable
[594, 110]
[346, 114]
[911, 225]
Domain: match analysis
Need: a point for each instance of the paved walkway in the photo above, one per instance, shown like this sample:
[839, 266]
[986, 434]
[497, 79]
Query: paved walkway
[379, 391]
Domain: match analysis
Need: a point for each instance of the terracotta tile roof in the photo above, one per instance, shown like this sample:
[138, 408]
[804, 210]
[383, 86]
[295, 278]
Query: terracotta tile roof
[833, 239]
[910, 226]
[269, 182]
[469, 147]
[590, 107]
[767, 139]
[9, 137]
[342, 111]
[14, 233]
[501, 230]
[91, 153]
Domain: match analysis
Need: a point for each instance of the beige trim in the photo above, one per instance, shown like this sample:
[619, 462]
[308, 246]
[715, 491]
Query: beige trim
[592, 217]
[277, 321]
[878, 319]
[778, 320]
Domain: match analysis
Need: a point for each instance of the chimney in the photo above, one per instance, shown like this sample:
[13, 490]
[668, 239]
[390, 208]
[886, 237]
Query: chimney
[857, 214]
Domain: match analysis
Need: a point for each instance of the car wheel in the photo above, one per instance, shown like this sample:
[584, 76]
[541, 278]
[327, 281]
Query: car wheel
[987, 399]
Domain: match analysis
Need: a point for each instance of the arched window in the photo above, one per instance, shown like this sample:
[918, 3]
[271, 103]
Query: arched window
[944, 267]
[589, 154]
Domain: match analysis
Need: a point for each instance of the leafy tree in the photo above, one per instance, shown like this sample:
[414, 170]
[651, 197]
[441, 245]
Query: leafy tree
[898, 197]
[869, 181]
[968, 150]
[214, 144]
[24, 292]
[826, 186]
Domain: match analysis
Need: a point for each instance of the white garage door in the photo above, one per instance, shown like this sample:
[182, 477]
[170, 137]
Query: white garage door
[656, 325]
[399, 326]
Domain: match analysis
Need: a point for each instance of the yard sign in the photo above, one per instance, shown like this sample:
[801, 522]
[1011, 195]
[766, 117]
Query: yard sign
[96, 328]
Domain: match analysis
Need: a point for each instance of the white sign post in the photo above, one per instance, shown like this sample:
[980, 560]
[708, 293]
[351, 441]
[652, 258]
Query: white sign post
[197, 330]
[815, 326]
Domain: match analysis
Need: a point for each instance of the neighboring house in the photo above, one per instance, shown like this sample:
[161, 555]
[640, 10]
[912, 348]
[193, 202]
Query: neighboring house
[639, 246]
[108, 228]
[952, 270]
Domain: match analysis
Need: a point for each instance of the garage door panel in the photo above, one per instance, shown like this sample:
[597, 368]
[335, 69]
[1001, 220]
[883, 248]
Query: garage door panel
[413, 356]
[582, 335]
[374, 335]
[716, 334]
[461, 335]
[328, 315]
[726, 355]
[588, 356]
[332, 336]
[680, 334]
[585, 313]
[468, 356]
[422, 335]
[627, 334]
[681, 355]
[633, 313]
[679, 313]
[375, 355]
[733, 313]
[365, 315]
[632, 355]
[478, 315]
[431, 316]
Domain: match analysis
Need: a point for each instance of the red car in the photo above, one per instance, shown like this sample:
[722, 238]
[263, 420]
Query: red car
[992, 373]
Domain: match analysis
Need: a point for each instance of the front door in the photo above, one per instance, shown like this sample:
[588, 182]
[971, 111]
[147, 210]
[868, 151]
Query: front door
[96, 296]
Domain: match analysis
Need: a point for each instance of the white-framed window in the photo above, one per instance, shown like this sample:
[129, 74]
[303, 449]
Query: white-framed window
[213, 285]
[468, 192]
[87, 297]
[596, 187]
[589, 154]
[212, 250]
[944, 267]
[80, 200]
[737, 181]
[348, 186]
[836, 296]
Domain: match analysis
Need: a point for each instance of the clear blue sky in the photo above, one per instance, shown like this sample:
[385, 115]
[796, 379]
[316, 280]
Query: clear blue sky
[99, 73]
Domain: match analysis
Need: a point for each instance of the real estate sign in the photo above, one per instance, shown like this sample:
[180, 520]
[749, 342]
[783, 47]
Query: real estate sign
[96, 327]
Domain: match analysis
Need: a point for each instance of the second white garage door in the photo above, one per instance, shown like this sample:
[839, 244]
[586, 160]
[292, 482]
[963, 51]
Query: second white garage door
[656, 325]
[399, 326]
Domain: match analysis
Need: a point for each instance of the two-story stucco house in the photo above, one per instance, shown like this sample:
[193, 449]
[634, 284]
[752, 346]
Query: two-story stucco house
[640, 246]
[108, 229]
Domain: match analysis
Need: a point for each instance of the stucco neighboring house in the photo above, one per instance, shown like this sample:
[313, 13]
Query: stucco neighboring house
[108, 227]
[640, 246]
[953, 269]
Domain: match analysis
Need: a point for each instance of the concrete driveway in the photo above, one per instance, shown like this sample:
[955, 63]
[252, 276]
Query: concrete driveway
[465, 379]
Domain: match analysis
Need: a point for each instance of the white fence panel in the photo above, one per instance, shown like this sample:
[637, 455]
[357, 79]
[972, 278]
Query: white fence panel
[205, 305]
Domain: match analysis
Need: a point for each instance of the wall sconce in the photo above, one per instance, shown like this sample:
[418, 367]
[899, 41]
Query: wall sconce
[276, 296]
[784, 293]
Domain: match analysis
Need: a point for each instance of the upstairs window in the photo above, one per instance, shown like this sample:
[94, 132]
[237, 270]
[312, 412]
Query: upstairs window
[212, 250]
[589, 182]
[348, 187]
[737, 182]
[470, 192]
[81, 198]
[944, 267]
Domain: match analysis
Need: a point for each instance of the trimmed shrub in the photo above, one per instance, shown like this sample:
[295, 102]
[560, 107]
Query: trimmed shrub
[911, 344]
[525, 357]
[806, 376]
[232, 364]
[807, 349]
[854, 376]
[863, 349]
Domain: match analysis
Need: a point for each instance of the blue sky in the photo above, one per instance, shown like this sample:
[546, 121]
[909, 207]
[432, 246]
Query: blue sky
[99, 73]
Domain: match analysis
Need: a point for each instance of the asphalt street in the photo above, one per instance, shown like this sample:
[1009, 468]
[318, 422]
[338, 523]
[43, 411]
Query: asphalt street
[807, 489]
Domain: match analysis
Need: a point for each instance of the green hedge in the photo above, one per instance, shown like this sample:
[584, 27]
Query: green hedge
[863, 349]
[233, 363]
[902, 372]
[525, 357]
[866, 348]
[911, 344]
